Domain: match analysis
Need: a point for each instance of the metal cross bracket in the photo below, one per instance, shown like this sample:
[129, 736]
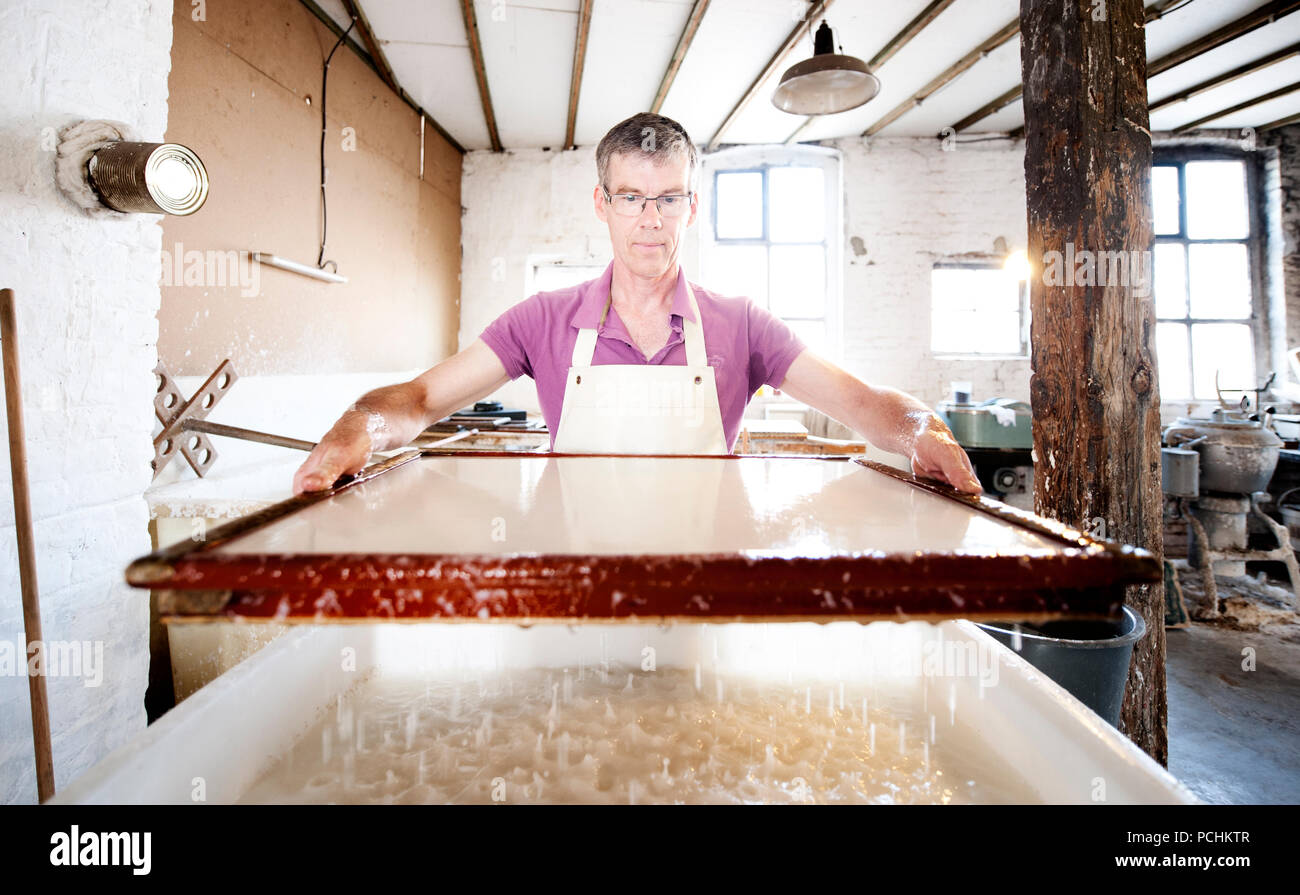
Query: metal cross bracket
[173, 412]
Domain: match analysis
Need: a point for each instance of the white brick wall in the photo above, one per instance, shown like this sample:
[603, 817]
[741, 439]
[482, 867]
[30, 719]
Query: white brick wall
[913, 204]
[909, 201]
[87, 297]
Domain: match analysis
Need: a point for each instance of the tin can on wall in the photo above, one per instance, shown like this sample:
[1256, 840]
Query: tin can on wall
[152, 178]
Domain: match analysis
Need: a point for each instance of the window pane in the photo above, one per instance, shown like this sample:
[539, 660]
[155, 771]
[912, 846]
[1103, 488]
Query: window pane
[1170, 280]
[975, 288]
[813, 333]
[1225, 347]
[797, 204]
[968, 332]
[739, 270]
[974, 310]
[1216, 200]
[1164, 200]
[739, 205]
[798, 281]
[1220, 278]
[1171, 357]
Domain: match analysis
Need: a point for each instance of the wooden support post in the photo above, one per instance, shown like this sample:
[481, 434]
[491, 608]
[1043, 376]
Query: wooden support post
[1094, 386]
[25, 528]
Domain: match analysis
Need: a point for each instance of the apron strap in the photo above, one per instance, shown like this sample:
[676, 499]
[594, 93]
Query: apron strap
[584, 348]
[693, 332]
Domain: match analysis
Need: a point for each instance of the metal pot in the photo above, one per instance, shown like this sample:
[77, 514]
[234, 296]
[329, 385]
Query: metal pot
[1238, 455]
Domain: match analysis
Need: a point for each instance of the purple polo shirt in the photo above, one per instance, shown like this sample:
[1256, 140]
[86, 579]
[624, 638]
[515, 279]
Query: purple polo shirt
[746, 345]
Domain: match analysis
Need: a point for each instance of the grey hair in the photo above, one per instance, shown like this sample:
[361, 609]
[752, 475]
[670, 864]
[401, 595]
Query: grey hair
[649, 136]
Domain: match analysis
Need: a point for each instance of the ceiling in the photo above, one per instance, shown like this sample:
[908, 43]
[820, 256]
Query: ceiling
[528, 58]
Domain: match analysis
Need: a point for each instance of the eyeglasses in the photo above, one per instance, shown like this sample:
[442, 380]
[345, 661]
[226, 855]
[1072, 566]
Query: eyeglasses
[630, 205]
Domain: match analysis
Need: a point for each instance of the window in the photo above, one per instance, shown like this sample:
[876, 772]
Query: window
[1202, 265]
[978, 309]
[771, 233]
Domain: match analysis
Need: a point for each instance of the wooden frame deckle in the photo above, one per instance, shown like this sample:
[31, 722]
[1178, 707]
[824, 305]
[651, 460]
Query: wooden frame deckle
[197, 582]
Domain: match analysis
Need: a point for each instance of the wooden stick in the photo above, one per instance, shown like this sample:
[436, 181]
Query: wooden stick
[26, 544]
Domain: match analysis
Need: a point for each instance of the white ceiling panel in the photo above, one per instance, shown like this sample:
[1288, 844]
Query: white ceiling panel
[441, 80]
[1227, 95]
[1003, 121]
[528, 54]
[424, 42]
[628, 50]
[1259, 115]
[415, 23]
[1245, 49]
[1197, 18]
[735, 41]
[987, 79]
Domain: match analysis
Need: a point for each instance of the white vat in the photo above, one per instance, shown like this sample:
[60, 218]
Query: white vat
[1036, 741]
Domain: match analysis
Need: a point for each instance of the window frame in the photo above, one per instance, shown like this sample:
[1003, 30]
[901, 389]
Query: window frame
[1178, 156]
[756, 159]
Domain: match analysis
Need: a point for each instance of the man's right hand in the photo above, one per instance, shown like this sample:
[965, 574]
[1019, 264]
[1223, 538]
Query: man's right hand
[345, 450]
[408, 407]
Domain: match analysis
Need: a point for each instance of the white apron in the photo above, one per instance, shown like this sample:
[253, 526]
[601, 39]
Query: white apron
[641, 408]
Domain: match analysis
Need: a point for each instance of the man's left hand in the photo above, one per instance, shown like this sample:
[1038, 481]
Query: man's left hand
[937, 455]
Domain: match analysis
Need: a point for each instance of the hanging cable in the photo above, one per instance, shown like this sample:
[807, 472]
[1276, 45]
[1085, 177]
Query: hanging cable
[324, 211]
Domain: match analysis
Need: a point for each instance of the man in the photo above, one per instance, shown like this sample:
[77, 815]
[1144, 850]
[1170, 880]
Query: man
[638, 360]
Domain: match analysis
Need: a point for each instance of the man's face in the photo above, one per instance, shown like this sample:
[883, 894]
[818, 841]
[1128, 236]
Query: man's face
[647, 245]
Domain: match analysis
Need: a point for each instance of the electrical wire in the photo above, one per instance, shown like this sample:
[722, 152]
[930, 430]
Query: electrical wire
[324, 211]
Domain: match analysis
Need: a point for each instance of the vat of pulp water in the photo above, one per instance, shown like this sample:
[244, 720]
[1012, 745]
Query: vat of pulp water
[792, 712]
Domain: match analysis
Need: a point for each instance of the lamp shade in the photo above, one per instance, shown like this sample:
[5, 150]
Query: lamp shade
[827, 83]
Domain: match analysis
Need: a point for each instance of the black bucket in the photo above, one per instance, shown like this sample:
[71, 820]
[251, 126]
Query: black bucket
[1088, 658]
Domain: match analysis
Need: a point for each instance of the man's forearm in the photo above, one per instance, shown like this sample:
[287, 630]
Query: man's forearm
[890, 419]
[393, 415]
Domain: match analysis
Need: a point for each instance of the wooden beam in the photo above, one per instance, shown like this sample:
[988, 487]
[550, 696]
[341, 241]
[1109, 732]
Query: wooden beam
[1257, 18]
[1219, 80]
[818, 9]
[1265, 15]
[891, 47]
[947, 76]
[683, 45]
[1094, 385]
[328, 21]
[575, 79]
[480, 72]
[354, 9]
[1272, 94]
[994, 105]
[1155, 11]
[1281, 122]
[910, 31]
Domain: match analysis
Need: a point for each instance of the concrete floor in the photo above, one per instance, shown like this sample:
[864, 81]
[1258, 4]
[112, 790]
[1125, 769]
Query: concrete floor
[1234, 734]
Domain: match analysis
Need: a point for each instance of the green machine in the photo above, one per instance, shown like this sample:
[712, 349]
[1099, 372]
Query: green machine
[996, 423]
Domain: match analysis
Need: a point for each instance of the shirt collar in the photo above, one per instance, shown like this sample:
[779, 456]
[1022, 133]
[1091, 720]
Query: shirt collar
[596, 292]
